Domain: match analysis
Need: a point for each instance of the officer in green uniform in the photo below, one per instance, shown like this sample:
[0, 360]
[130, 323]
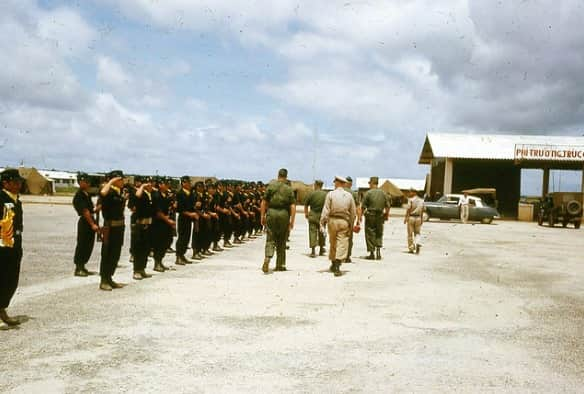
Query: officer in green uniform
[375, 206]
[348, 188]
[278, 212]
[312, 210]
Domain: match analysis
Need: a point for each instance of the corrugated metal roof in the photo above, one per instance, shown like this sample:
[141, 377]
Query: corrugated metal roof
[400, 183]
[486, 146]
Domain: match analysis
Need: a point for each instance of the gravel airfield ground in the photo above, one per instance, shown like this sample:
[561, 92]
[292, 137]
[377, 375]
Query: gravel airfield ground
[483, 308]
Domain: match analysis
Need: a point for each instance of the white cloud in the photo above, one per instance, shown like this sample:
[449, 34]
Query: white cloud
[65, 30]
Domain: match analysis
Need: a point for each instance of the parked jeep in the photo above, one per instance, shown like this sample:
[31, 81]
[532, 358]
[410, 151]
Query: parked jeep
[561, 207]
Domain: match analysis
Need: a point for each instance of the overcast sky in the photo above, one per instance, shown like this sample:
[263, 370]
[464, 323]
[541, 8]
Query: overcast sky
[238, 88]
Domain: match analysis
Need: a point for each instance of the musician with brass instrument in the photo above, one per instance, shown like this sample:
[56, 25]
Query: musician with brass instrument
[10, 240]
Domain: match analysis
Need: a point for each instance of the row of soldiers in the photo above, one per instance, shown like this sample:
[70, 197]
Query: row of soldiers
[200, 215]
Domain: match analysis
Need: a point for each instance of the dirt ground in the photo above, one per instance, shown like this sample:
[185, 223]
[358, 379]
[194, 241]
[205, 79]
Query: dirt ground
[483, 308]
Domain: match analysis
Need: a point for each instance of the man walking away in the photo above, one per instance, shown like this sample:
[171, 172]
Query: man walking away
[413, 219]
[278, 211]
[338, 215]
[312, 210]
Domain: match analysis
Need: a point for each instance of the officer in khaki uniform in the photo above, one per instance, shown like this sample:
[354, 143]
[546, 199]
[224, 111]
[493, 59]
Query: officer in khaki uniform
[375, 207]
[312, 210]
[338, 214]
[413, 219]
[278, 211]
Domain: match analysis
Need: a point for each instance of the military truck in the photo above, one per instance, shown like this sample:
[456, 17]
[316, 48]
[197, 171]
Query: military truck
[561, 207]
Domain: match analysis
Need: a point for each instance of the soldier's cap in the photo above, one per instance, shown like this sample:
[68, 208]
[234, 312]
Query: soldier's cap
[349, 179]
[374, 180]
[413, 190]
[212, 185]
[282, 173]
[199, 183]
[340, 179]
[82, 176]
[157, 178]
[185, 178]
[319, 182]
[11, 174]
[208, 181]
[138, 178]
[162, 180]
[115, 174]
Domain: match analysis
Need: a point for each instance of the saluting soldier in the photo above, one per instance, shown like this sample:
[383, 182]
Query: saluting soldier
[185, 206]
[225, 213]
[200, 227]
[163, 225]
[11, 226]
[313, 205]
[143, 231]
[376, 205]
[86, 226]
[131, 193]
[112, 209]
[278, 212]
[214, 211]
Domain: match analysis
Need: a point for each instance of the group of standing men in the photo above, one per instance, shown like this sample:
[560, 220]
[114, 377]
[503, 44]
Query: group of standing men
[341, 212]
[200, 215]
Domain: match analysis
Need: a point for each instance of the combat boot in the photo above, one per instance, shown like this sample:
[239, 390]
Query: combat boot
[322, 251]
[227, 244]
[371, 256]
[80, 272]
[179, 261]
[7, 319]
[378, 254]
[337, 268]
[312, 253]
[266, 265]
[158, 267]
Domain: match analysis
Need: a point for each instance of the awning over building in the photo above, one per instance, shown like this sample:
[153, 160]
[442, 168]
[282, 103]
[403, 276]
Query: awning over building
[566, 152]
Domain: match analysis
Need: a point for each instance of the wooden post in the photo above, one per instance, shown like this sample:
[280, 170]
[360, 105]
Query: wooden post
[545, 187]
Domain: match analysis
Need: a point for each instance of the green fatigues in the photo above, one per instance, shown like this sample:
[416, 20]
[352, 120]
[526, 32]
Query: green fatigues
[279, 197]
[315, 201]
[374, 202]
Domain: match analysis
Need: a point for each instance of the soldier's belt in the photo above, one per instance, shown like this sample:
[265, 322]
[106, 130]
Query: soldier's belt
[374, 211]
[144, 221]
[114, 223]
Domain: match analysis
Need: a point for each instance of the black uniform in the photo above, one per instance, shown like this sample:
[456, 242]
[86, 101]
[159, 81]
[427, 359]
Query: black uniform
[214, 228]
[85, 235]
[162, 233]
[143, 237]
[113, 233]
[10, 247]
[226, 220]
[185, 203]
[200, 242]
[132, 200]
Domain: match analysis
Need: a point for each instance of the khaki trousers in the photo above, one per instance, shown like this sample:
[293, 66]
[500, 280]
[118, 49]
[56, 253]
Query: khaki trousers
[339, 232]
[414, 226]
[464, 211]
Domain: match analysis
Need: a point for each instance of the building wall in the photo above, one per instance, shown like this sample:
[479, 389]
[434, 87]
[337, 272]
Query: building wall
[502, 175]
[437, 175]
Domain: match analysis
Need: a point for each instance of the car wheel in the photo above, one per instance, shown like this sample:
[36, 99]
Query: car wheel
[486, 220]
[573, 207]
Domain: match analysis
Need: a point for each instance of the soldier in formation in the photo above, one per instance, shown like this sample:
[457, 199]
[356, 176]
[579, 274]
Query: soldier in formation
[11, 227]
[87, 227]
